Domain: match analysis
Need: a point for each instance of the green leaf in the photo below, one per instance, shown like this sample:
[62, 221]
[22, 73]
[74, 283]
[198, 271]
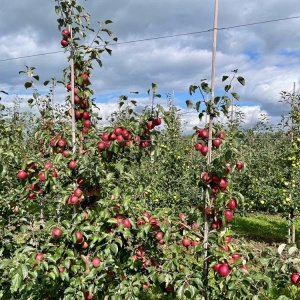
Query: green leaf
[241, 80]
[15, 282]
[108, 51]
[235, 95]
[46, 82]
[189, 104]
[113, 248]
[28, 84]
[108, 22]
[224, 77]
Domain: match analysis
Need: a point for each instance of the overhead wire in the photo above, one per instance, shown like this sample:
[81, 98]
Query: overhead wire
[161, 37]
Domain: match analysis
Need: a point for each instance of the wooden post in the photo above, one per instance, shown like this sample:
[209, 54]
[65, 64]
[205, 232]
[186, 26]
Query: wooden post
[213, 71]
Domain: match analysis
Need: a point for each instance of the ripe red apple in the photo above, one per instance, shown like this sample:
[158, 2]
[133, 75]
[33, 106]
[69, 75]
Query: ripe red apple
[66, 33]
[186, 242]
[87, 123]
[73, 200]
[72, 164]
[79, 237]
[146, 285]
[54, 174]
[118, 130]
[227, 239]
[96, 262]
[232, 205]
[153, 222]
[140, 222]
[56, 232]
[48, 165]
[112, 136]
[223, 183]
[126, 223]
[224, 270]
[120, 138]
[221, 135]
[61, 269]
[195, 243]
[204, 150]
[61, 143]
[146, 214]
[210, 212]
[105, 137]
[101, 146]
[228, 215]
[150, 125]
[236, 256]
[88, 295]
[195, 225]
[42, 176]
[198, 146]
[78, 192]
[170, 288]
[39, 257]
[22, 174]
[182, 216]
[159, 236]
[295, 278]
[216, 267]
[227, 168]
[239, 165]
[64, 43]
[156, 121]
[217, 143]
[86, 115]
[145, 144]
[205, 177]
[203, 133]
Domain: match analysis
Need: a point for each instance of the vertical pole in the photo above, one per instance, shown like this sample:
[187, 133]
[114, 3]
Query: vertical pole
[292, 224]
[211, 116]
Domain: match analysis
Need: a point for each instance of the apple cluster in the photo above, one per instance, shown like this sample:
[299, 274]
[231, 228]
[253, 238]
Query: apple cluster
[202, 145]
[66, 34]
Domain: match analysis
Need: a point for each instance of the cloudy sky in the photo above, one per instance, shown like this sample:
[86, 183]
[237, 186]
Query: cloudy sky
[267, 55]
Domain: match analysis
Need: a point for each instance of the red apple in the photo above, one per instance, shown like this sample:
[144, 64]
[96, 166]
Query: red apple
[216, 267]
[186, 242]
[159, 236]
[48, 165]
[156, 121]
[101, 146]
[56, 232]
[61, 143]
[96, 262]
[72, 164]
[88, 295]
[79, 237]
[198, 146]
[221, 135]
[126, 223]
[204, 150]
[224, 270]
[39, 257]
[146, 285]
[170, 288]
[78, 192]
[216, 143]
[228, 215]
[232, 205]
[140, 222]
[239, 165]
[182, 216]
[146, 214]
[42, 176]
[295, 278]
[223, 183]
[66, 33]
[54, 174]
[22, 174]
[87, 123]
[203, 133]
[195, 243]
[64, 43]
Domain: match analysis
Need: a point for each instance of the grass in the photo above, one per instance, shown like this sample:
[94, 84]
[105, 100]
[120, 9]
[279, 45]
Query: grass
[270, 229]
